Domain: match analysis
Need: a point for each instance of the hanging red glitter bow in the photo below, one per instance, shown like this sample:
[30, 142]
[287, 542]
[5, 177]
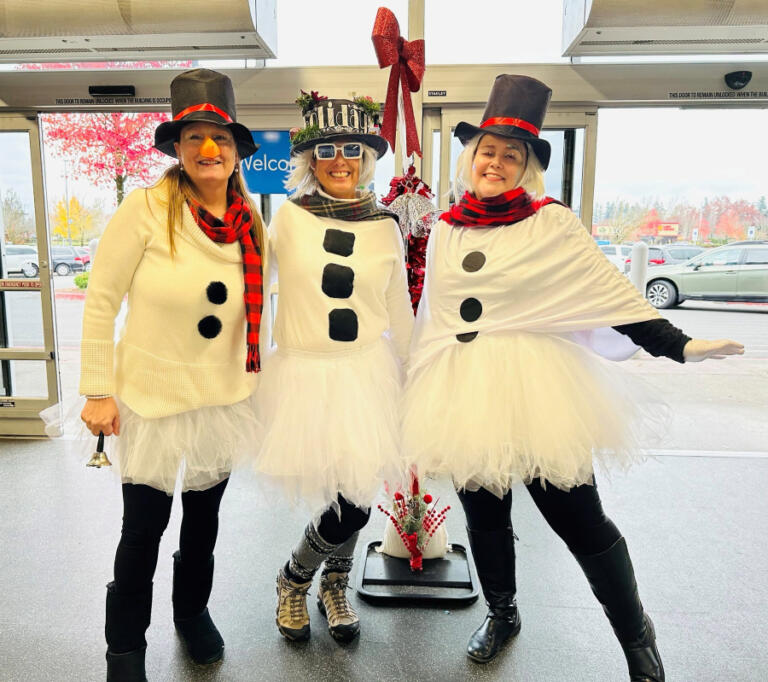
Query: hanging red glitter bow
[407, 62]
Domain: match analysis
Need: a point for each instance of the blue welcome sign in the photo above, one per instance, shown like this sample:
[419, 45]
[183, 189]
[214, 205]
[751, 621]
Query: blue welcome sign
[266, 170]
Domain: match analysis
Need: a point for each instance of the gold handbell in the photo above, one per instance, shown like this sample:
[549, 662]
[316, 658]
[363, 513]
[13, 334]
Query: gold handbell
[99, 458]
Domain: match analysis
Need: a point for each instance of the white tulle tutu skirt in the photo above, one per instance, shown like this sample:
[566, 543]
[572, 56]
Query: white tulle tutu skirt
[331, 423]
[201, 445]
[516, 406]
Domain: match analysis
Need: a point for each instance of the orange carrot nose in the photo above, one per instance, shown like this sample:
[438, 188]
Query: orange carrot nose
[209, 149]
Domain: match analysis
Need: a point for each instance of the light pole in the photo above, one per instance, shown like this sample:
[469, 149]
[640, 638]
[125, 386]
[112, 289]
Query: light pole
[66, 201]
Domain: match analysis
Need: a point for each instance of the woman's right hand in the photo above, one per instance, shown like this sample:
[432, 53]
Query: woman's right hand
[101, 415]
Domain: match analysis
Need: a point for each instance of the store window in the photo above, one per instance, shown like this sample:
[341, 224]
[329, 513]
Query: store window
[693, 176]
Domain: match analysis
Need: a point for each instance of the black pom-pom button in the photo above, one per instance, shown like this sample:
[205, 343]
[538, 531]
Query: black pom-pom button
[217, 292]
[209, 327]
[466, 338]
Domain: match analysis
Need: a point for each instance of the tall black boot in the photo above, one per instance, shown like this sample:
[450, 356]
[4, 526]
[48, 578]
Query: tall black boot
[128, 617]
[494, 552]
[612, 580]
[191, 589]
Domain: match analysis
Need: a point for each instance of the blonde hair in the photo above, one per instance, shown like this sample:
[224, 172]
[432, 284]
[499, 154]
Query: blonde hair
[302, 177]
[532, 179]
[179, 188]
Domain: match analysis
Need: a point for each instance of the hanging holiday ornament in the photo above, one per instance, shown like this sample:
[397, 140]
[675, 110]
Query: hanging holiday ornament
[410, 199]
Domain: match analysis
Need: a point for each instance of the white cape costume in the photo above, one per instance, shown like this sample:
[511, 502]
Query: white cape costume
[504, 384]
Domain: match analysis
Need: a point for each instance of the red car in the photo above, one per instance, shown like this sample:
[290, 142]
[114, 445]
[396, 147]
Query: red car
[83, 256]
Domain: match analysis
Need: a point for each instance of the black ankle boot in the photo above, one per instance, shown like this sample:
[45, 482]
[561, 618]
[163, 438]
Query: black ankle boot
[501, 623]
[191, 589]
[128, 617]
[612, 580]
[494, 554]
[127, 667]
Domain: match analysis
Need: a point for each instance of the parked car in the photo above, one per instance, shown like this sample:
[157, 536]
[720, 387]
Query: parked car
[669, 254]
[65, 260]
[727, 273]
[85, 256]
[618, 254]
[678, 253]
[21, 259]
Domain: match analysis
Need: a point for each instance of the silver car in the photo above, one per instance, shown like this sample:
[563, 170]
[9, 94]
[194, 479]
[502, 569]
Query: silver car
[735, 272]
[21, 259]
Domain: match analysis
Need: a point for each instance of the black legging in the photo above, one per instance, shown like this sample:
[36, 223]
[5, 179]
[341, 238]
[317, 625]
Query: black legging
[576, 515]
[146, 511]
[337, 529]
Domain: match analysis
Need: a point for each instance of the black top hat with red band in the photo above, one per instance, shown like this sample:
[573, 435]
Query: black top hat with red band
[516, 108]
[202, 95]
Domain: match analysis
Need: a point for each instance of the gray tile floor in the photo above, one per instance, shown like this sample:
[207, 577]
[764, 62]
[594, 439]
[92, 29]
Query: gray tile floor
[696, 527]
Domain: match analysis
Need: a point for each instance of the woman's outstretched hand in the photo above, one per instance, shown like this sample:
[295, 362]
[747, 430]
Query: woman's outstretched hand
[101, 414]
[697, 350]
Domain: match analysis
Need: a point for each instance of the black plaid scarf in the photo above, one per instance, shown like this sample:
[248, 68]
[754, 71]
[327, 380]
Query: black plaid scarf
[505, 209]
[364, 208]
[236, 226]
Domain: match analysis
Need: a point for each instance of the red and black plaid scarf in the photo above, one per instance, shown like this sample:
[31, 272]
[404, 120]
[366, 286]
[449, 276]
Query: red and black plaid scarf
[504, 209]
[236, 226]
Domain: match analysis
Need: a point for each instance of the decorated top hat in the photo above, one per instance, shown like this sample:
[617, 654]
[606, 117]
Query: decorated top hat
[330, 119]
[516, 109]
[202, 95]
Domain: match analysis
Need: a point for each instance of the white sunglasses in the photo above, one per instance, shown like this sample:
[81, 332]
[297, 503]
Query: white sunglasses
[349, 150]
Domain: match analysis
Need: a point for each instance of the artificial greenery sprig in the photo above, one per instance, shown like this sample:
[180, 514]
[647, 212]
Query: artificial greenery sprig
[308, 133]
[367, 103]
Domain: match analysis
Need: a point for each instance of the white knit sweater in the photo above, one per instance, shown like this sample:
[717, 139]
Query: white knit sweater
[327, 267]
[163, 363]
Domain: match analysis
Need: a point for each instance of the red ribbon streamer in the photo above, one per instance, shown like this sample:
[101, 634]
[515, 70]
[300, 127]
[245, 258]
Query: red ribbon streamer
[517, 122]
[207, 106]
[407, 62]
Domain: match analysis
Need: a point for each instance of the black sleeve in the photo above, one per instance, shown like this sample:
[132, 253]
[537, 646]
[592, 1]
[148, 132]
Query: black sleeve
[658, 337]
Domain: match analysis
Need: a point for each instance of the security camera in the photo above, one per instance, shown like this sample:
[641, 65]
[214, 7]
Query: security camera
[736, 80]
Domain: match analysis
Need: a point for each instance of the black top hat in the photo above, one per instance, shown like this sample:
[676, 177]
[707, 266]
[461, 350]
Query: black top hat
[202, 95]
[516, 108]
[331, 119]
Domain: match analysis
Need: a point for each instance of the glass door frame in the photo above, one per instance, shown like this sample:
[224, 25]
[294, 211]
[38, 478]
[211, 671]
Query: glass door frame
[18, 415]
[446, 119]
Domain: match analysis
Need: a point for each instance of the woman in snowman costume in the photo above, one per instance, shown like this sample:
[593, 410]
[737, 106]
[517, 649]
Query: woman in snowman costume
[503, 386]
[176, 390]
[329, 393]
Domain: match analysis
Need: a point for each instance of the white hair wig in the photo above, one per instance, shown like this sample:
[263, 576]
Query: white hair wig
[532, 179]
[302, 177]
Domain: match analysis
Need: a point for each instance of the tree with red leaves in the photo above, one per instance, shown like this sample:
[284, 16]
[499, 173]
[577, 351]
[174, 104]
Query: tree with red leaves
[109, 148]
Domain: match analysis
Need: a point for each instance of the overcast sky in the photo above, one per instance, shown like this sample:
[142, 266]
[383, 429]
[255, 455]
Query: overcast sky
[688, 154]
